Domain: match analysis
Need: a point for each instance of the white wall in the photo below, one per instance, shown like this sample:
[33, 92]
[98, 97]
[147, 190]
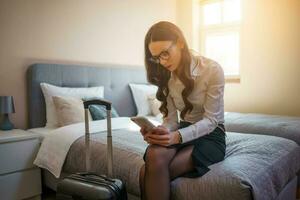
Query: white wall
[71, 31]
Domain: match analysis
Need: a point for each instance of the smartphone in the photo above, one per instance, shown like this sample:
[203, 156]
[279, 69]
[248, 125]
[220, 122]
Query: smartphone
[143, 122]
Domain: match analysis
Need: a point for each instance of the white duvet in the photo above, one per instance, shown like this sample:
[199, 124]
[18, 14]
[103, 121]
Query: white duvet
[56, 144]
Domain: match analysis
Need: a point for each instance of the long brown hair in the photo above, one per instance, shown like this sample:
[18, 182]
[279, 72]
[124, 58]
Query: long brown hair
[159, 75]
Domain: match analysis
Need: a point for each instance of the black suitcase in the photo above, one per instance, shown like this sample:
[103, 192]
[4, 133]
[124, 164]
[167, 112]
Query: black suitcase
[87, 185]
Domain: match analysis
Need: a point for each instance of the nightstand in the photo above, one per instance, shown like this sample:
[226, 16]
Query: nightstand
[19, 177]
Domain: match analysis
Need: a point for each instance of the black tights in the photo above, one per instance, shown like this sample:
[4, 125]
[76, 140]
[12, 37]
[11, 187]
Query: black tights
[161, 167]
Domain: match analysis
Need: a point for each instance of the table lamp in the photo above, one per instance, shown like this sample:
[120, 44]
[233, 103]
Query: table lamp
[6, 107]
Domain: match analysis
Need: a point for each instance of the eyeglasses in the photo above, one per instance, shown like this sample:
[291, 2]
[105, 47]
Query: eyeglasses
[164, 55]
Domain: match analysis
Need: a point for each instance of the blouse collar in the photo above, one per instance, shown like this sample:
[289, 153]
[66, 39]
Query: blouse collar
[196, 64]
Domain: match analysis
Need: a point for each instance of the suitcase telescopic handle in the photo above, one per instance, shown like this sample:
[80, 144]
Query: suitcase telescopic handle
[105, 103]
[108, 106]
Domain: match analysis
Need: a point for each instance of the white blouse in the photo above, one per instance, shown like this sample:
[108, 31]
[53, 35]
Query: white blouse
[206, 98]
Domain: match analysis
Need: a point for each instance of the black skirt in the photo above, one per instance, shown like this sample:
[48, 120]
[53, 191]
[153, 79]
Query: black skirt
[208, 149]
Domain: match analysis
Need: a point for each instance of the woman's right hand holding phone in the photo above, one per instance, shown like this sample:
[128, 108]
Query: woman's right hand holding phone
[144, 132]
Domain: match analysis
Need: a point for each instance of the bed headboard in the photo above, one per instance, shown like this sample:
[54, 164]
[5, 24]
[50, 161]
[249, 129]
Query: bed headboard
[114, 78]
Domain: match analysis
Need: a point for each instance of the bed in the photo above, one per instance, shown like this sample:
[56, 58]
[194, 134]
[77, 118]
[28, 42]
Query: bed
[256, 166]
[281, 126]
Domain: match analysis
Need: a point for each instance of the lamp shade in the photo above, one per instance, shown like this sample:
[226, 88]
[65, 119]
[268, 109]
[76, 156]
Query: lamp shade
[7, 104]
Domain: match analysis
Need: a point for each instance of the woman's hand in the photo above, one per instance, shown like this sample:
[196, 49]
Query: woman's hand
[162, 136]
[144, 133]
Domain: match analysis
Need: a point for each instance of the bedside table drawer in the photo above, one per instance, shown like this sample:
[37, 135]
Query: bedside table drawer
[21, 185]
[18, 155]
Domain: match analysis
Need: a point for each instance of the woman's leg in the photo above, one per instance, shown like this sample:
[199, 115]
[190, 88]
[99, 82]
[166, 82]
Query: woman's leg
[182, 162]
[157, 176]
[142, 182]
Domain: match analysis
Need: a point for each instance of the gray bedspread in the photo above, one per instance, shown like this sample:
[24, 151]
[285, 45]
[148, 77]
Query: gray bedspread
[255, 167]
[276, 125]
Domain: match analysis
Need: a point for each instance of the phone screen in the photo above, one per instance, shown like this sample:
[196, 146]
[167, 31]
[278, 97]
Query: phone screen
[143, 122]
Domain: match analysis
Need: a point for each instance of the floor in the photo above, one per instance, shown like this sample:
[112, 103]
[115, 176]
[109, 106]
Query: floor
[48, 194]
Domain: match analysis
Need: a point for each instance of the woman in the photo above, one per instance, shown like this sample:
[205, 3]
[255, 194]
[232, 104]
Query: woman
[194, 86]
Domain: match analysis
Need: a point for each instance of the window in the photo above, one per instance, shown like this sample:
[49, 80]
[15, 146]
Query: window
[216, 25]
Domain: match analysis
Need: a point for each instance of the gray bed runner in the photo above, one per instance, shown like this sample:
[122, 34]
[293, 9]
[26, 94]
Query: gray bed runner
[256, 166]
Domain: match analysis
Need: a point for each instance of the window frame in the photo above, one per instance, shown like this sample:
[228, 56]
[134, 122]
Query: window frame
[200, 31]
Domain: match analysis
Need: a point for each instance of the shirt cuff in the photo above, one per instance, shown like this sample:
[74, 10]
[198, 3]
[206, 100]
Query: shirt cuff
[171, 127]
[196, 130]
[186, 133]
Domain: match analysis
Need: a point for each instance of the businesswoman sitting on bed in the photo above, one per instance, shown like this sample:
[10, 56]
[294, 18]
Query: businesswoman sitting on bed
[194, 86]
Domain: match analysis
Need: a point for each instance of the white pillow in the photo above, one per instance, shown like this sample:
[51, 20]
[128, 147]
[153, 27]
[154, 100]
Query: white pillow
[140, 94]
[69, 110]
[50, 90]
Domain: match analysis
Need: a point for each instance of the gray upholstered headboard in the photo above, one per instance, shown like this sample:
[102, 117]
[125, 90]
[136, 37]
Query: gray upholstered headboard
[114, 78]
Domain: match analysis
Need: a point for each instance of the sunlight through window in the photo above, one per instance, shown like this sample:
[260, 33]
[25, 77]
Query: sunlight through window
[232, 10]
[224, 48]
[217, 32]
[212, 13]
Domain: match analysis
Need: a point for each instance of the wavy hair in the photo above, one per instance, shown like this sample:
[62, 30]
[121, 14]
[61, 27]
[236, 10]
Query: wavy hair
[158, 75]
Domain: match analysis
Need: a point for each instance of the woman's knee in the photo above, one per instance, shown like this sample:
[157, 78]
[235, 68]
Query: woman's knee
[158, 157]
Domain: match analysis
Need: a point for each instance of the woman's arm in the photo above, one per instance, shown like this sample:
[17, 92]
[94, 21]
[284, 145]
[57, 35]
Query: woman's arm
[166, 134]
[171, 121]
[162, 136]
[213, 107]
